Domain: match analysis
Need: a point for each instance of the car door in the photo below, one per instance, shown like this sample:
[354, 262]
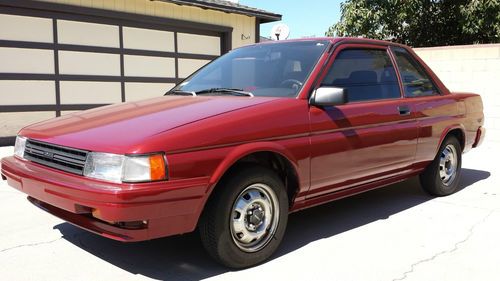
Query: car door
[373, 135]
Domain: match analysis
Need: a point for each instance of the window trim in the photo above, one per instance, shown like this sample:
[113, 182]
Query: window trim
[419, 67]
[360, 46]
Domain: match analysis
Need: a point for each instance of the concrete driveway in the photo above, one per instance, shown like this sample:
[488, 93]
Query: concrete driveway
[394, 233]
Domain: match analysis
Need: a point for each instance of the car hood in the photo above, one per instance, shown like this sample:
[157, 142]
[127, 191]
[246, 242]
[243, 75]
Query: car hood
[121, 127]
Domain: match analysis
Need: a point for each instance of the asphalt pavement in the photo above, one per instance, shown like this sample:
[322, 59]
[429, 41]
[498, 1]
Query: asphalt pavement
[394, 233]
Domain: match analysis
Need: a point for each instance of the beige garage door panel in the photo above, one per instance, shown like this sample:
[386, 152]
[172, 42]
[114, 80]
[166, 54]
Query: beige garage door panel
[188, 66]
[78, 92]
[148, 39]
[12, 122]
[88, 34]
[19, 92]
[23, 28]
[198, 44]
[89, 63]
[69, 112]
[145, 66]
[101, 67]
[19, 60]
[139, 91]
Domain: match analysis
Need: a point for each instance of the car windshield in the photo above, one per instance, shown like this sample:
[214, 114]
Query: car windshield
[273, 70]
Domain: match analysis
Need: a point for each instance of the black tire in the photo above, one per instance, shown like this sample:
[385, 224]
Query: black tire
[432, 181]
[216, 224]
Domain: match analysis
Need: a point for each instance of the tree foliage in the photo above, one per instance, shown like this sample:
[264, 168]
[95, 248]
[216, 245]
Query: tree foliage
[421, 23]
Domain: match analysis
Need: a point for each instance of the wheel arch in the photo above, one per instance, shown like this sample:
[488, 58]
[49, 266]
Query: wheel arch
[269, 154]
[456, 130]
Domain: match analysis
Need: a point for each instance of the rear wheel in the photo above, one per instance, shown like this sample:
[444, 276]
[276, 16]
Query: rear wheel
[442, 176]
[245, 220]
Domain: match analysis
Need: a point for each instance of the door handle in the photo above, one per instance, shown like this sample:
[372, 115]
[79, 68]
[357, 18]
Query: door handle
[404, 110]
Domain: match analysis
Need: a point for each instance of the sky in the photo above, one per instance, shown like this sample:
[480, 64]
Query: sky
[305, 18]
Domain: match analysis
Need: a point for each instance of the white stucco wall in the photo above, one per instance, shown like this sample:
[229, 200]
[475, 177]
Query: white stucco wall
[470, 68]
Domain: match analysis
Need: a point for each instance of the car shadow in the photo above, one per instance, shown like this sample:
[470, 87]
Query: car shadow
[343, 215]
[183, 257]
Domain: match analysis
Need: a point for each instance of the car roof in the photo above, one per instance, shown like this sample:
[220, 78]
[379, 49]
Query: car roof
[334, 40]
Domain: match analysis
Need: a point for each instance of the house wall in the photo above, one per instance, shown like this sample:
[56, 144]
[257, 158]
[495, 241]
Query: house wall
[243, 26]
[470, 68]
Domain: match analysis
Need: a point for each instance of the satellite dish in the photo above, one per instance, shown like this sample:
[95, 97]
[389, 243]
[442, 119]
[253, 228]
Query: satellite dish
[280, 31]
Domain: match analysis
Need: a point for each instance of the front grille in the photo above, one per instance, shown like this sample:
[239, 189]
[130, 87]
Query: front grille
[59, 157]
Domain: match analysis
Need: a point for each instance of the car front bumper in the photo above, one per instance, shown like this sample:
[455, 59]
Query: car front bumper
[124, 212]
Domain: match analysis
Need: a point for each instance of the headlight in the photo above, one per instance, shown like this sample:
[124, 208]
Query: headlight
[20, 146]
[125, 168]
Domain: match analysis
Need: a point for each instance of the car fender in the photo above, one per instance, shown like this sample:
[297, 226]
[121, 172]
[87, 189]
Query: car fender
[449, 129]
[240, 151]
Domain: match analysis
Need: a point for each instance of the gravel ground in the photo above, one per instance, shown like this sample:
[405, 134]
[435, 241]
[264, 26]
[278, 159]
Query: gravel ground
[394, 233]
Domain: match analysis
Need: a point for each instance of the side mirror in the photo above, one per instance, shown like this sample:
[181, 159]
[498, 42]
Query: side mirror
[328, 96]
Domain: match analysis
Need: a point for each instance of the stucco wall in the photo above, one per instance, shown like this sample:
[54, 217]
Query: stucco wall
[243, 26]
[471, 68]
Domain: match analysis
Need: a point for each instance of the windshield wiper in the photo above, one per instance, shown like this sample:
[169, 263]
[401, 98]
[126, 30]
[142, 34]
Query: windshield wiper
[229, 91]
[180, 93]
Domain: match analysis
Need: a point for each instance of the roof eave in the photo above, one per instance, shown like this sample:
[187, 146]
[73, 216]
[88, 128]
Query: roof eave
[264, 17]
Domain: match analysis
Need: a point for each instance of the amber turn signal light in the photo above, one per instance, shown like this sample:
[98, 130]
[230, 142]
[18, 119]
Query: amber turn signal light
[157, 167]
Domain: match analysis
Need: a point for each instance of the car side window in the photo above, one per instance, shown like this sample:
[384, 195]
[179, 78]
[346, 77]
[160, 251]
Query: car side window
[366, 74]
[416, 82]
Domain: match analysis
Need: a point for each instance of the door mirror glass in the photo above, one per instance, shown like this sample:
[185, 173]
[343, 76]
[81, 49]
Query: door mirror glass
[328, 96]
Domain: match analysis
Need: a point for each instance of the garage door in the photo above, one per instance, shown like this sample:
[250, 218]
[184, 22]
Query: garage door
[52, 63]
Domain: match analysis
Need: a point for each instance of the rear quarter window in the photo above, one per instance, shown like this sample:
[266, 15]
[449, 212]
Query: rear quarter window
[416, 82]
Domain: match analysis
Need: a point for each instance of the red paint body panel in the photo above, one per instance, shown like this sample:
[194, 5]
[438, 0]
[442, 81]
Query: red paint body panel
[133, 127]
[169, 207]
[373, 140]
[335, 151]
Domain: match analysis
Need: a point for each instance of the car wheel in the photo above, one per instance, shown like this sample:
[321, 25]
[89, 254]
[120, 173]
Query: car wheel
[245, 219]
[442, 176]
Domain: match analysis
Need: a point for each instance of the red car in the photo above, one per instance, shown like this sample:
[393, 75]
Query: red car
[260, 132]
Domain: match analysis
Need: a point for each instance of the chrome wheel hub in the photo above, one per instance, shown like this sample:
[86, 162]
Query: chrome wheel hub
[255, 216]
[448, 164]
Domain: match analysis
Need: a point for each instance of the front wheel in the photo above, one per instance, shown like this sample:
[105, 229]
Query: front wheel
[245, 220]
[442, 176]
